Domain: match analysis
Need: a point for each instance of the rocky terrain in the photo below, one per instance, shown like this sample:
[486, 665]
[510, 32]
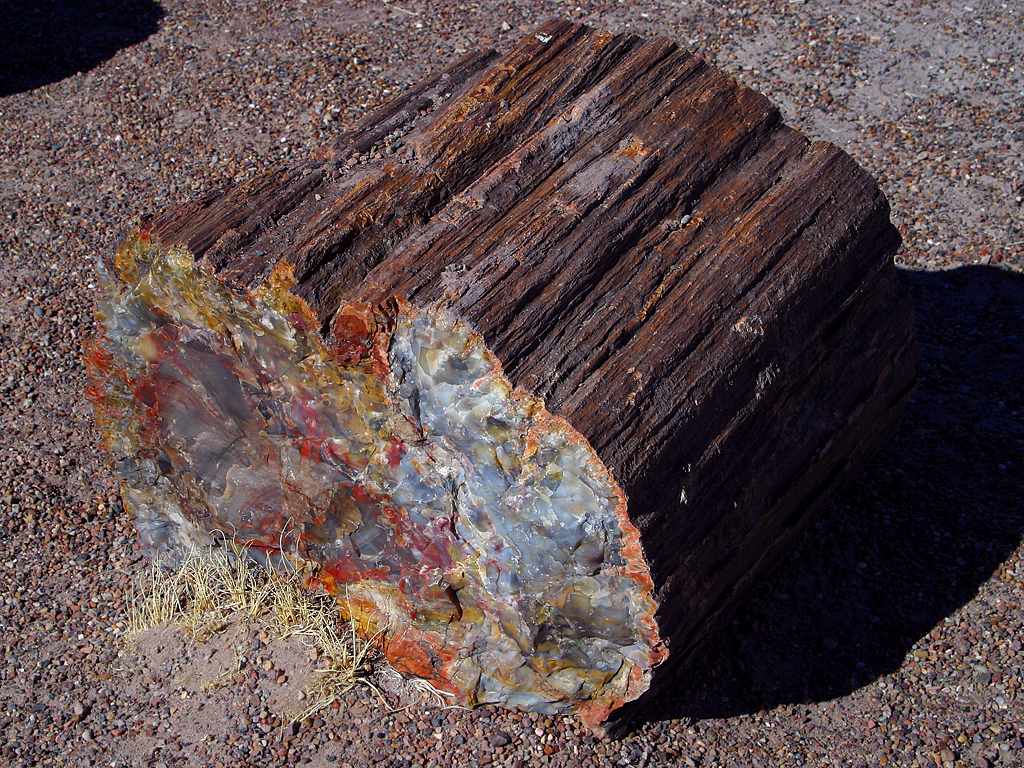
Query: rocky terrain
[892, 635]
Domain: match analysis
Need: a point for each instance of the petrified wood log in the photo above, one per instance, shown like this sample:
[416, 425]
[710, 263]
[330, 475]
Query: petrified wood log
[544, 320]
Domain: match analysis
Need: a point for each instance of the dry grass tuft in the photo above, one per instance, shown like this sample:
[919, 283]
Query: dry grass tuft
[213, 586]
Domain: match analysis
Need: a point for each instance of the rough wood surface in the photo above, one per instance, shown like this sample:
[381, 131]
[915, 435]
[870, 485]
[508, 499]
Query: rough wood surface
[707, 296]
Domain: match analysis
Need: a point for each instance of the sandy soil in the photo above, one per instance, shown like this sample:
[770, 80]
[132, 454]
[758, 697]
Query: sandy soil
[893, 634]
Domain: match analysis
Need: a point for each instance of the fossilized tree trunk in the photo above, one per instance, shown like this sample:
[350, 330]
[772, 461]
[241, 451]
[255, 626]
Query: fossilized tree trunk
[700, 292]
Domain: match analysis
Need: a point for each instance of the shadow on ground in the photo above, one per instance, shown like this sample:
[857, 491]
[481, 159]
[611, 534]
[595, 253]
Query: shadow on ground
[911, 539]
[44, 41]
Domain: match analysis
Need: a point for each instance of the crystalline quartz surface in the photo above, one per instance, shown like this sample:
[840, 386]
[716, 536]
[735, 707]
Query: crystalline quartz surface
[477, 534]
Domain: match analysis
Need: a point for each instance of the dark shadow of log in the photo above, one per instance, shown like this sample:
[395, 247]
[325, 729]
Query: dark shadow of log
[910, 539]
[43, 42]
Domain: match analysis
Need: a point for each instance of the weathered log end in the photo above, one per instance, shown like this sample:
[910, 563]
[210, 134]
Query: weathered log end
[578, 337]
[476, 533]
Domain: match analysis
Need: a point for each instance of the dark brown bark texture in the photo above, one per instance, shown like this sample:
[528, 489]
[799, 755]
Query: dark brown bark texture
[706, 295]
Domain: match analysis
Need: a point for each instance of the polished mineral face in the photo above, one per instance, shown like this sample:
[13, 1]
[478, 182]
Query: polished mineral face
[476, 533]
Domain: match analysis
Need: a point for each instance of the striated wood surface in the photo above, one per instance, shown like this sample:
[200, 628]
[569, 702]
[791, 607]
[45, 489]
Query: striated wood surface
[707, 296]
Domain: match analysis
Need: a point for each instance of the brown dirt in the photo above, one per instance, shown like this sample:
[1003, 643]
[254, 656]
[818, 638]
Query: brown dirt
[193, 688]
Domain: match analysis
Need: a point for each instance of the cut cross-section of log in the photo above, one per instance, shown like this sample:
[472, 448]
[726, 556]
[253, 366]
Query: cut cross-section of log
[473, 530]
[577, 339]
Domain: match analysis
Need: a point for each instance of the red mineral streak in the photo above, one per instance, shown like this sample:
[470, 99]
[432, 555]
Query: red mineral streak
[396, 451]
[352, 332]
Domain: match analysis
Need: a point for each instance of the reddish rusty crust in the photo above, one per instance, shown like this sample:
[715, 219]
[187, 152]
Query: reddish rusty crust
[411, 651]
[98, 370]
[360, 334]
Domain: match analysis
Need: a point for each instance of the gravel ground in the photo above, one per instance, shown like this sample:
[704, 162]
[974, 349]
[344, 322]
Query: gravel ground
[893, 635]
